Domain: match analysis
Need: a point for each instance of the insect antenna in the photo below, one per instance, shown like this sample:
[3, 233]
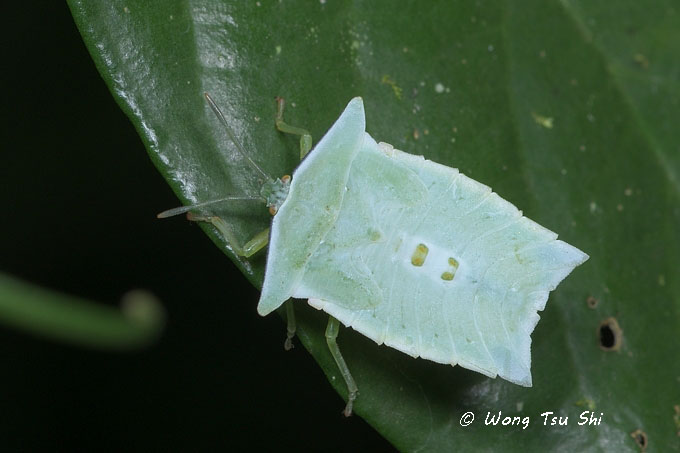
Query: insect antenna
[183, 209]
[232, 136]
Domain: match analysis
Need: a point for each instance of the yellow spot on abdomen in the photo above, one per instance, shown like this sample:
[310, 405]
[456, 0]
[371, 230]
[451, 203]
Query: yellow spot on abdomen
[451, 271]
[419, 255]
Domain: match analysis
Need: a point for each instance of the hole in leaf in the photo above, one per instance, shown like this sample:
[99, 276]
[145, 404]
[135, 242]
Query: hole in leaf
[640, 438]
[606, 337]
[592, 302]
[610, 335]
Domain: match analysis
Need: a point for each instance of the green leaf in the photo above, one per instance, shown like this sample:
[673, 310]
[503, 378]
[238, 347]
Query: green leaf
[568, 109]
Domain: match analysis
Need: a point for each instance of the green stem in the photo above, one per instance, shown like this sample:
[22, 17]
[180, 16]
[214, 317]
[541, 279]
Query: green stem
[75, 320]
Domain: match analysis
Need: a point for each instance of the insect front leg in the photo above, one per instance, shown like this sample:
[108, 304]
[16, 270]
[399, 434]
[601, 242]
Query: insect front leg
[257, 243]
[305, 136]
[331, 335]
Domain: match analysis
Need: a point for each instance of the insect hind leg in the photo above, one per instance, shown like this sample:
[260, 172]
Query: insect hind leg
[331, 336]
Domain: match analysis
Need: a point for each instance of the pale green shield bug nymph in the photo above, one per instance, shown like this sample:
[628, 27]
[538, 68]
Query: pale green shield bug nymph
[410, 253]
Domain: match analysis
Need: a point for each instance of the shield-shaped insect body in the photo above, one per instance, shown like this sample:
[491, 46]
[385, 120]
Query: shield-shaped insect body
[408, 252]
[413, 254]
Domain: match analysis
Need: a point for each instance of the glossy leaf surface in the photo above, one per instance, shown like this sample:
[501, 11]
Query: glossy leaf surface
[568, 109]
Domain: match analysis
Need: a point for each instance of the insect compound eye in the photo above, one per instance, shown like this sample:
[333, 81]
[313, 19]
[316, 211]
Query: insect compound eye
[275, 193]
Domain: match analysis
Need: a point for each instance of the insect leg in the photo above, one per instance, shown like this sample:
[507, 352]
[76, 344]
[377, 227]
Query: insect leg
[352, 390]
[305, 136]
[290, 328]
[258, 242]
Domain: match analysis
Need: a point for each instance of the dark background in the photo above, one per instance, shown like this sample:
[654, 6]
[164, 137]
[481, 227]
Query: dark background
[79, 196]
